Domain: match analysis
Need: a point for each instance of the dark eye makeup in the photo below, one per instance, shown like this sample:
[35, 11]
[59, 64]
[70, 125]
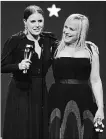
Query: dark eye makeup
[69, 28]
[72, 29]
[33, 21]
[40, 20]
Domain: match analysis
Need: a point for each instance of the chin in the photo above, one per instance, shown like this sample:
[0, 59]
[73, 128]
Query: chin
[67, 41]
[37, 33]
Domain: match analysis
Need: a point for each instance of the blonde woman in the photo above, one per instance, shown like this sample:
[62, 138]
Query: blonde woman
[73, 113]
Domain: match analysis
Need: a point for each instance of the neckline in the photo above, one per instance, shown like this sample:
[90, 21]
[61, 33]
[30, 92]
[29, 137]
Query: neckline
[25, 36]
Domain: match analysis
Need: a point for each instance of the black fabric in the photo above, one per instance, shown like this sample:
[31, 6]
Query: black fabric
[26, 106]
[89, 47]
[71, 106]
[26, 111]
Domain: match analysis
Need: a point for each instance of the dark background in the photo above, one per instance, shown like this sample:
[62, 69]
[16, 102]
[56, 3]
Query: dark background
[12, 22]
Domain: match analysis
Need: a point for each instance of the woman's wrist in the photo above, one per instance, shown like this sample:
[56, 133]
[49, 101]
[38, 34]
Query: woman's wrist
[100, 106]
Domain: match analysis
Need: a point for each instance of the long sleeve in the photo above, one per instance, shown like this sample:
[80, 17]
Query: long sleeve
[54, 44]
[7, 64]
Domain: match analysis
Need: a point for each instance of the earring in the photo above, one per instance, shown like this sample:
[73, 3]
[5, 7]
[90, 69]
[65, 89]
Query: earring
[26, 30]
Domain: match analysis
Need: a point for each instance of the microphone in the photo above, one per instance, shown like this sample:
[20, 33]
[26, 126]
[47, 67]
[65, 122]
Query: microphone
[28, 54]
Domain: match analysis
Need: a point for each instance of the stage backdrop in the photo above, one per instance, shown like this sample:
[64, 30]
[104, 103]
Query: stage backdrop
[12, 22]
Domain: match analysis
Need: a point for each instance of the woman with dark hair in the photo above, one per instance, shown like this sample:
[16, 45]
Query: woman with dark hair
[73, 114]
[27, 55]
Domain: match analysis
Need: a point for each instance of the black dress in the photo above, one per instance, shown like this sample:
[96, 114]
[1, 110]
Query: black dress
[71, 104]
[26, 106]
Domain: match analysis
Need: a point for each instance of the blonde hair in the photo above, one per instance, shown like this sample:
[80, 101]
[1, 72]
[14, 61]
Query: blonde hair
[84, 25]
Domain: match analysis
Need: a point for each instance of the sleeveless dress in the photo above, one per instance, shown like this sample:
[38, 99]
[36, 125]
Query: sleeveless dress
[71, 102]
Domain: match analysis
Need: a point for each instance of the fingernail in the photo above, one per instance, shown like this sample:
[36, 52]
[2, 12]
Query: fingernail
[101, 130]
[103, 126]
[95, 124]
[97, 130]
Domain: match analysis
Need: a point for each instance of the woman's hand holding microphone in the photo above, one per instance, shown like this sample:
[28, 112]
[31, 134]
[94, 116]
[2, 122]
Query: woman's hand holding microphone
[26, 62]
[24, 65]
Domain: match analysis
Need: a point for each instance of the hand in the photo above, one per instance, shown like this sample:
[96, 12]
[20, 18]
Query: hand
[99, 116]
[24, 64]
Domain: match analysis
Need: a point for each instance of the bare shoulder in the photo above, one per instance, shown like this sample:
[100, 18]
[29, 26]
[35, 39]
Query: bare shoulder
[94, 48]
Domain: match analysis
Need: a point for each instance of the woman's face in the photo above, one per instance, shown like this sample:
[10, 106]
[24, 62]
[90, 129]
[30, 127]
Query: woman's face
[71, 31]
[34, 24]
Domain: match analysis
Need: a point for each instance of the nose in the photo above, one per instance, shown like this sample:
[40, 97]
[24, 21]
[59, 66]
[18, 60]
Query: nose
[37, 24]
[66, 31]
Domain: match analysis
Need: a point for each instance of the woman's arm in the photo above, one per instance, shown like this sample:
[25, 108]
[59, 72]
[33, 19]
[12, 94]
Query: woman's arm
[7, 65]
[95, 79]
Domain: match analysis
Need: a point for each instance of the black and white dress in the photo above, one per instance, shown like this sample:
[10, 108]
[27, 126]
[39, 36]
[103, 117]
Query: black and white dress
[71, 104]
